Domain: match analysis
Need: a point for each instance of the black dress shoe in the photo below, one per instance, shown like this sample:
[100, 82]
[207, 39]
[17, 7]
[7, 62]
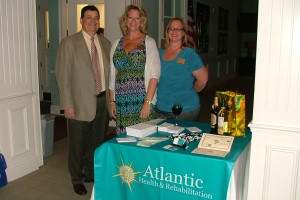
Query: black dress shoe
[79, 189]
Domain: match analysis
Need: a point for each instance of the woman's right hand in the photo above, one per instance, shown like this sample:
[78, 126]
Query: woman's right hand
[113, 110]
[145, 112]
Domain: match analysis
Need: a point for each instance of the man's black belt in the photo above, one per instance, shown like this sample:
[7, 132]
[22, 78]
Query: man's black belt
[101, 94]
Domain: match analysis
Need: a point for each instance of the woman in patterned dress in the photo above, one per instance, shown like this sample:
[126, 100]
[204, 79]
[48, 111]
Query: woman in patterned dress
[135, 70]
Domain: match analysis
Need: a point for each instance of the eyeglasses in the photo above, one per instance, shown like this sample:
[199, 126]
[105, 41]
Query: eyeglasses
[175, 29]
[133, 18]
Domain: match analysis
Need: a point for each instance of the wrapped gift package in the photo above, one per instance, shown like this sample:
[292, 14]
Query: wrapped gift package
[3, 178]
[235, 105]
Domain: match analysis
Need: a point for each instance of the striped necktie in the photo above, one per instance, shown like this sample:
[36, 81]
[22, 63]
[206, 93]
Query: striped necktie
[96, 66]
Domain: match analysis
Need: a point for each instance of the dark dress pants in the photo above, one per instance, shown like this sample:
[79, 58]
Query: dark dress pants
[84, 137]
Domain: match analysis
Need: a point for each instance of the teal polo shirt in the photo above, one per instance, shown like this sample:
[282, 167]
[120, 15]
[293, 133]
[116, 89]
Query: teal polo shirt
[176, 83]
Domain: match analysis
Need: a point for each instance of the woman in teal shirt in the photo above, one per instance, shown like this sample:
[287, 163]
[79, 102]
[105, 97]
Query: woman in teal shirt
[183, 74]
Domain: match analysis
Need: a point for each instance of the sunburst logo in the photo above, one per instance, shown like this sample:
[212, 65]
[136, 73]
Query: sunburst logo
[127, 174]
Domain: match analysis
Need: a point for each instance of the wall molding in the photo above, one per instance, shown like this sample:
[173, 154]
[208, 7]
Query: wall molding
[287, 130]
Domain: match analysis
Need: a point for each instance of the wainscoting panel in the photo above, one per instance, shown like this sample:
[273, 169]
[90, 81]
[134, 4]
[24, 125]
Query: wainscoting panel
[274, 163]
[275, 174]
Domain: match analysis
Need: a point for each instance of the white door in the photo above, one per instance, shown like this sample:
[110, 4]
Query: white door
[20, 138]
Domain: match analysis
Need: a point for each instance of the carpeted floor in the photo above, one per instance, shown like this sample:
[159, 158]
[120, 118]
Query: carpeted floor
[50, 182]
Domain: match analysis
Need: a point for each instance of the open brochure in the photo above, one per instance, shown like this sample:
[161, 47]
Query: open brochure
[150, 141]
[127, 139]
[214, 145]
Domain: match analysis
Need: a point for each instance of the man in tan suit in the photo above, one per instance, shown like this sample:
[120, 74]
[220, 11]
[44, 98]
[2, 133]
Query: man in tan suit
[82, 74]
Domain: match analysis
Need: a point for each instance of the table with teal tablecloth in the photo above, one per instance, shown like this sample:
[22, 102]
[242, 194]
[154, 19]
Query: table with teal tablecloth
[125, 171]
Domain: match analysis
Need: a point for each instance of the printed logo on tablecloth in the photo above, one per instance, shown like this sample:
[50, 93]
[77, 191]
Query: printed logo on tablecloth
[159, 177]
[127, 174]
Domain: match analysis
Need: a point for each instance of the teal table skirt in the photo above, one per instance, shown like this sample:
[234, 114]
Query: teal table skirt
[125, 171]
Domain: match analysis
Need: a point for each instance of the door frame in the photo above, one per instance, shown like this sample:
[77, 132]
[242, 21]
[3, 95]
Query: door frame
[43, 51]
[65, 11]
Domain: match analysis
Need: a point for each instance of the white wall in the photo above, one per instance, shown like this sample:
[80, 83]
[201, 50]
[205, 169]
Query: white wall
[274, 172]
[114, 9]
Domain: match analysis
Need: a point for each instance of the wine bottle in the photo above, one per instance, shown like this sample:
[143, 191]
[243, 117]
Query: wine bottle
[214, 116]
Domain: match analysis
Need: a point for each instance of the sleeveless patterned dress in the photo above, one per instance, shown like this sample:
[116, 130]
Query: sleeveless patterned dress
[130, 85]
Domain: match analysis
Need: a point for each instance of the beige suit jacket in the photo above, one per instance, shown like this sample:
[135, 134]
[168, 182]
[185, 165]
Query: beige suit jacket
[75, 76]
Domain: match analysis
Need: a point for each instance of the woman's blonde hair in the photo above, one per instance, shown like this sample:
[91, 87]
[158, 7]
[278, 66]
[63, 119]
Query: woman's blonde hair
[123, 19]
[184, 39]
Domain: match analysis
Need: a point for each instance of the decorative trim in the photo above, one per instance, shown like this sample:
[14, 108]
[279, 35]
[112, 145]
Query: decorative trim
[272, 127]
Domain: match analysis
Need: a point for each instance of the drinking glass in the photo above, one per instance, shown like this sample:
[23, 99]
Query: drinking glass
[176, 110]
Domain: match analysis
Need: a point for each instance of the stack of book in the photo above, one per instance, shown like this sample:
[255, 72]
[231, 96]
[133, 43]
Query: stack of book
[169, 128]
[143, 129]
[147, 128]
